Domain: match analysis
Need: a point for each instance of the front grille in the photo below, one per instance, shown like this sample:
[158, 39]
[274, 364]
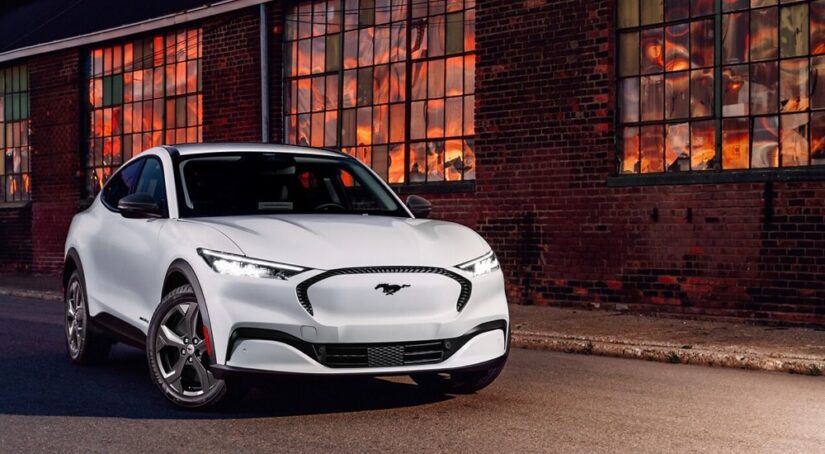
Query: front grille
[380, 355]
[303, 288]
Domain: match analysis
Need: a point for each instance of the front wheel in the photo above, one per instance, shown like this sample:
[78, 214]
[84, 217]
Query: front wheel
[177, 352]
[83, 345]
[459, 382]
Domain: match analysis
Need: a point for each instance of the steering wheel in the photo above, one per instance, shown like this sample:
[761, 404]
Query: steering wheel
[330, 205]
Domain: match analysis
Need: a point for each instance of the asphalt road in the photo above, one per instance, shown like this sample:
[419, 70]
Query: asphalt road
[543, 402]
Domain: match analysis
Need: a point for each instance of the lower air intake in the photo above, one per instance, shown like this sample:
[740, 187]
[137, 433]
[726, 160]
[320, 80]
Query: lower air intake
[380, 355]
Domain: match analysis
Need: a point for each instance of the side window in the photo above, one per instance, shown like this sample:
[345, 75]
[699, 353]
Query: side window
[121, 184]
[151, 181]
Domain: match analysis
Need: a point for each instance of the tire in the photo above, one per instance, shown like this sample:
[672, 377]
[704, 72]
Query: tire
[459, 382]
[177, 353]
[83, 344]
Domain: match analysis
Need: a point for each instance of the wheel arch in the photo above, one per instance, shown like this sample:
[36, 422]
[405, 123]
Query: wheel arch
[70, 264]
[180, 273]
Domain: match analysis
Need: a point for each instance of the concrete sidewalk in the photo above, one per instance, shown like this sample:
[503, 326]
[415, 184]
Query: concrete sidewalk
[711, 343]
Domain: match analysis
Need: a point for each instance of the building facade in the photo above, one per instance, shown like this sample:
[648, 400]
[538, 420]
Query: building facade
[650, 155]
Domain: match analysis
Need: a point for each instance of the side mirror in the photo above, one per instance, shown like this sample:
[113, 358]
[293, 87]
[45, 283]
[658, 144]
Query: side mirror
[140, 206]
[420, 207]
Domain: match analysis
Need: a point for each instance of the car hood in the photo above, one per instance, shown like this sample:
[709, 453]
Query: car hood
[330, 241]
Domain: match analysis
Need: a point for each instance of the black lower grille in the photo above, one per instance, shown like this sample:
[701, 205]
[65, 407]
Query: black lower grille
[380, 355]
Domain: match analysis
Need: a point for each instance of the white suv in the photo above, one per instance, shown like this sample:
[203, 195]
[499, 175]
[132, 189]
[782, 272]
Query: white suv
[231, 259]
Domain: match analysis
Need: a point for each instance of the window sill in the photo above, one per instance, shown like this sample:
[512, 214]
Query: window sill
[435, 188]
[718, 177]
[15, 205]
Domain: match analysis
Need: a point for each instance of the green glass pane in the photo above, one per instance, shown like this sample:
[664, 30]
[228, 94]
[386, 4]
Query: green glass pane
[117, 89]
[107, 91]
[24, 105]
[629, 54]
[15, 84]
[364, 96]
[366, 15]
[455, 32]
[628, 13]
[793, 30]
[333, 53]
[652, 11]
[8, 80]
[24, 78]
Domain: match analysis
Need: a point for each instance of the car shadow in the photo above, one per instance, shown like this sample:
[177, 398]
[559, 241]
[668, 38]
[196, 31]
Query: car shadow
[37, 379]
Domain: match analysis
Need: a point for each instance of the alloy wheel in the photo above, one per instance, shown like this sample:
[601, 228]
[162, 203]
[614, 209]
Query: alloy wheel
[180, 351]
[75, 317]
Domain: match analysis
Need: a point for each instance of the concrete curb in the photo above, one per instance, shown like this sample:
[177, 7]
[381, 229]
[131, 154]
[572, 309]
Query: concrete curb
[727, 356]
[668, 353]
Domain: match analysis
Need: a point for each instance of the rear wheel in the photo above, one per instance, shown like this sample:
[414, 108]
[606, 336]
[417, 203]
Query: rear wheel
[459, 382]
[177, 352]
[83, 345]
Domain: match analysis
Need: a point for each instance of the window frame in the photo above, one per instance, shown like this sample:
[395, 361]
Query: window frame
[23, 196]
[406, 187]
[719, 174]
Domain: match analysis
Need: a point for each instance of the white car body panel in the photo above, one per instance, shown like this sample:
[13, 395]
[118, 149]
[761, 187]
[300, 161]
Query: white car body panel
[125, 262]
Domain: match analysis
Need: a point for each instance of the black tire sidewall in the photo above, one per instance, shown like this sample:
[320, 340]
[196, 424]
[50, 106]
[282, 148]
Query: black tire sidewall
[183, 294]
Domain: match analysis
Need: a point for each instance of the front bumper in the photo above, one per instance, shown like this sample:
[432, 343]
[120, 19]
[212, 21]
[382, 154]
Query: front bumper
[264, 351]
[261, 325]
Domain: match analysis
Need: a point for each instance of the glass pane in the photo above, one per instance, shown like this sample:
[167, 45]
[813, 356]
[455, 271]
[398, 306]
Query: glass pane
[732, 5]
[418, 121]
[318, 98]
[764, 88]
[652, 11]
[382, 45]
[652, 51]
[757, 3]
[455, 76]
[364, 127]
[735, 35]
[701, 93]
[629, 99]
[318, 54]
[794, 140]
[435, 79]
[435, 161]
[350, 49]
[793, 30]
[418, 164]
[818, 82]
[677, 44]
[818, 27]
[365, 42]
[765, 142]
[364, 96]
[333, 55]
[676, 9]
[818, 138]
[628, 54]
[397, 122]
[435, 118]
[348, 128]
[453, 164]
[455, 33]
[628, 13]
[419, 81]
[331, 129]
[652, 98]
[735, 144]
[435, 36]
[702, 145]
[677, 151]
[702, 7]
[398, 82]
[764, 34]
[332, 92]
[793, 85]
[677, 86]
[317, 137]
[452, 116]
[381, 84]
[380, 124]
[701, 43]
[350, 88]
[652, 148]
[735, 91]
[396, 164]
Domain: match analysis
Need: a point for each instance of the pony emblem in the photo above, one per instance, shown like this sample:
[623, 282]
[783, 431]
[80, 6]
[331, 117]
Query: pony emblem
[390, 289]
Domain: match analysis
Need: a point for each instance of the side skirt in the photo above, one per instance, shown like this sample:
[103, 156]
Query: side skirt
[119, 330]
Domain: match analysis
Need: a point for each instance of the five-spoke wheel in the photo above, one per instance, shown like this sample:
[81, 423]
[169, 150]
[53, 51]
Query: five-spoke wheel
[82, 344]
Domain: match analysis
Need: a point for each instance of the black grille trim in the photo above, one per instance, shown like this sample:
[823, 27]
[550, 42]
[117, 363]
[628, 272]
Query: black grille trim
[463, 297]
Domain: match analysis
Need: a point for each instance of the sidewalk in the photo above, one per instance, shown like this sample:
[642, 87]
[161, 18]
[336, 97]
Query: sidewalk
[648, 337]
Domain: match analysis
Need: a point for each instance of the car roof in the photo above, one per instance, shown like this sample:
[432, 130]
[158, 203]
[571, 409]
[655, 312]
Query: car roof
[207, 148]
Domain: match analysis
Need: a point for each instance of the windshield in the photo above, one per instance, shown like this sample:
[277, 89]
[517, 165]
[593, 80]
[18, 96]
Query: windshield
[236, 184]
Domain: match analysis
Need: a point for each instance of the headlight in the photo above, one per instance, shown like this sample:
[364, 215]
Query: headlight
[487, 263]
[239, 265]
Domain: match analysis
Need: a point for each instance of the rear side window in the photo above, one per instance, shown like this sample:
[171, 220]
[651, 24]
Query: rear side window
[121, 184]
[151, 182]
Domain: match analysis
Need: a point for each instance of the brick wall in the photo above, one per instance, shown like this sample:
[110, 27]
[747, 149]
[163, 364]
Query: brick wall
[15, 238]
[56, 160]
[545, 149]
[231, 77]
